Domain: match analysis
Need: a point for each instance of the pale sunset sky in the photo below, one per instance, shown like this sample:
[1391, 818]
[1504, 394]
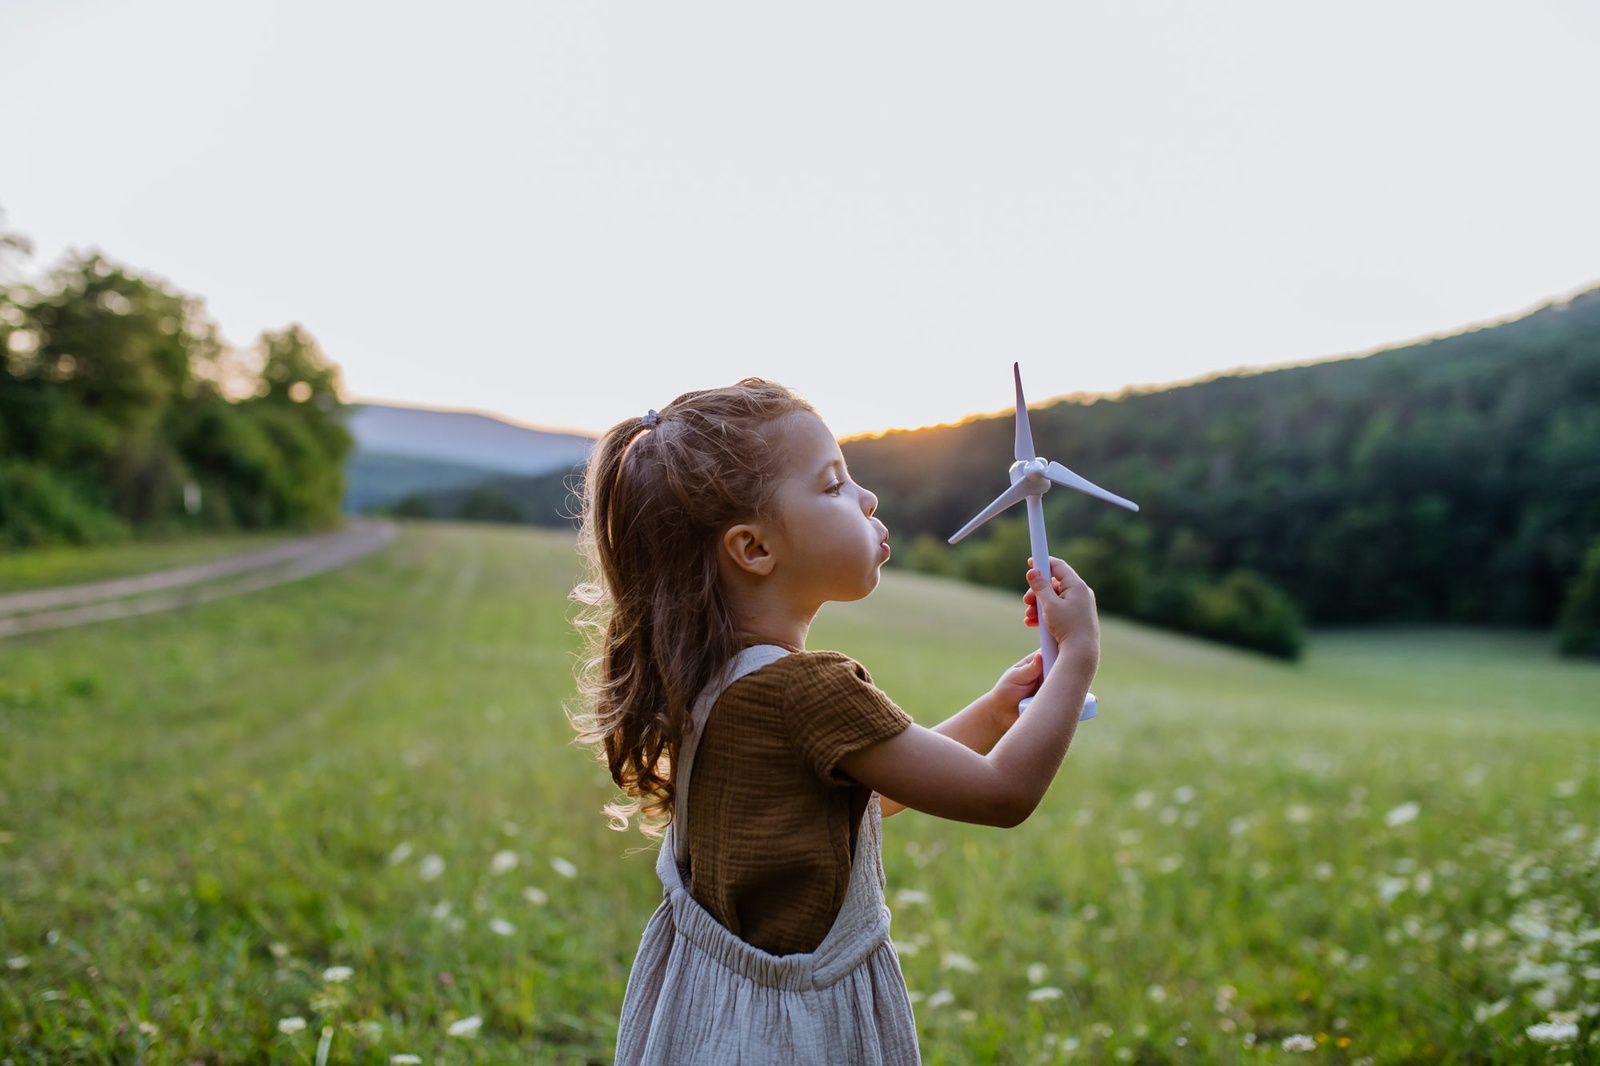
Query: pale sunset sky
[567, 213]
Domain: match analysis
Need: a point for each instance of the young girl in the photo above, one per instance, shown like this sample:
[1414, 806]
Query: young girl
[714, 531]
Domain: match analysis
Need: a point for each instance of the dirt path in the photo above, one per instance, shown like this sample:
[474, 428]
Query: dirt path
[70, 605]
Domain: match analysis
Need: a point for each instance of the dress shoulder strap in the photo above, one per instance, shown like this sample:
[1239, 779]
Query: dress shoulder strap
[747, 661]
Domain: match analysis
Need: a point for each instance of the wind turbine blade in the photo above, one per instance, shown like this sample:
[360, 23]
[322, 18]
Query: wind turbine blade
[1025, 450]
[1064, 477]
[1015, 494]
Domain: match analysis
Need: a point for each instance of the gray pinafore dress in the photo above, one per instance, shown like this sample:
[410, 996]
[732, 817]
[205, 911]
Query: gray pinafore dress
[697, 994]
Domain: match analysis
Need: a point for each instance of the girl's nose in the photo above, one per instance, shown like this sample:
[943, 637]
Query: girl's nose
[869, 502]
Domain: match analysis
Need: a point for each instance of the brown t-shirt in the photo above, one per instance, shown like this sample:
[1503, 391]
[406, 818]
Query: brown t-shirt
[772, 823]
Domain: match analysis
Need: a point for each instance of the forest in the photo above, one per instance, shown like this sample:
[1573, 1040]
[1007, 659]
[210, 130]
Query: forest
[123, 412]
[1454, 480]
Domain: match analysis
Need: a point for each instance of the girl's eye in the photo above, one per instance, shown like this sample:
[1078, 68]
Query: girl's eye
[835, 488]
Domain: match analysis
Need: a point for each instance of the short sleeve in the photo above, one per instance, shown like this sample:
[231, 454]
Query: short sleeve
[833, 709]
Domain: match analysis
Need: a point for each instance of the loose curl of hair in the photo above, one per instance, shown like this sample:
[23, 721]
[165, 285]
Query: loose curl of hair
[656, 499]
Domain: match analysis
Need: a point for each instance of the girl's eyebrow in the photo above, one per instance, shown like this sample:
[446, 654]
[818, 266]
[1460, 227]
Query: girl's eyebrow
[832, 466]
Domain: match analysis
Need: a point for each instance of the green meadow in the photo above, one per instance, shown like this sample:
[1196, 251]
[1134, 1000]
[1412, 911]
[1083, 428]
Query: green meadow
[343, 821]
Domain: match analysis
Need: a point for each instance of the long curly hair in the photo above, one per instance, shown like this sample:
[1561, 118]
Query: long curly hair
[656, 499]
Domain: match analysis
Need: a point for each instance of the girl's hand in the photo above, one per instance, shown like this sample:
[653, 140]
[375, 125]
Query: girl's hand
[1015, 685]
[1069, 611]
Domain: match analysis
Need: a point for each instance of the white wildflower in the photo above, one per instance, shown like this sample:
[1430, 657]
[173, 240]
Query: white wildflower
[1170, 864]
[1553, 1033]
[503, 862]
[942, 998]
[1156, 994]
[954, 960]
[441, 910]
[908, 897]
[1323, 871]
[432, 866]
[501, 927]
[1040, 995]
[401, 852]
[1299, 1042]
[1391, 887]
[1565, 789]
[1406, 812]
[1168, 815]
[1298, 813]
[1144, 799]
[563, 867]
[1037, 972]
[535, 896]
[906, 947]
[510, 828]
[466, 1027]
[1238, 826]
[1183, 794]
[18, 962]
[149, 1029]
[288, 1026]
[337, 973]
[405, 1060]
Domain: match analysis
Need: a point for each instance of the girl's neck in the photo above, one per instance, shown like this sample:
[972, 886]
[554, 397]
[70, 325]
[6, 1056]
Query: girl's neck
[761, 621]
[774, 631]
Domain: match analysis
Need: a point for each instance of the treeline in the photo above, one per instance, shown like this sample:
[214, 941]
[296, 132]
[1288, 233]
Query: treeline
[123, 410]
[535, 499]
[1456, 480]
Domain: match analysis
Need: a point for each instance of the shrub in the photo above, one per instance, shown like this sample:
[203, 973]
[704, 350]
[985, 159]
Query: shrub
[1579, 629]
[1247, 610]
[38, 506]
[930, 555]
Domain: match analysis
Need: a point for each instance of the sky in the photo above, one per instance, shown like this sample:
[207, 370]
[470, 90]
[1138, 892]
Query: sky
[568, 213]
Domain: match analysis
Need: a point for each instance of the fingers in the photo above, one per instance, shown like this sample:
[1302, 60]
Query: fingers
[1061, 575]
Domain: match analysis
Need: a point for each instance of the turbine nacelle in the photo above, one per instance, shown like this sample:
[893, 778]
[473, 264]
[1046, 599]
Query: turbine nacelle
[1034, 467]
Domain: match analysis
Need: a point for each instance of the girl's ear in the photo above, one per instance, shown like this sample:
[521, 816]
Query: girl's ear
[747, 548]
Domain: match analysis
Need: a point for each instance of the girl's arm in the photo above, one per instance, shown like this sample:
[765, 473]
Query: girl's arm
[937, 774]
[982, 723]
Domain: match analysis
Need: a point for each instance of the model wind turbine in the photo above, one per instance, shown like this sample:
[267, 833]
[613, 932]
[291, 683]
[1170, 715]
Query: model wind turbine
[1031, 477]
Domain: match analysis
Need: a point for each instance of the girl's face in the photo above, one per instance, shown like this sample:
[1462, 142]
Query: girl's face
[830, 545]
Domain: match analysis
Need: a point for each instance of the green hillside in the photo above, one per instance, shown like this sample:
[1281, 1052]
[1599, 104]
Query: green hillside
[1453, 480]
[348, 810]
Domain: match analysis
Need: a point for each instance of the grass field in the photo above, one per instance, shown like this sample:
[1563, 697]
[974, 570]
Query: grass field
[342, 820]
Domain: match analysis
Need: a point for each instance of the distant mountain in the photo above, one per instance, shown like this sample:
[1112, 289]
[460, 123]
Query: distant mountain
[463, 437]
[401, 451]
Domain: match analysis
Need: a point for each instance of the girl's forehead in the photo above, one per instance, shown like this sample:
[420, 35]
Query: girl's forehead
[805, 437]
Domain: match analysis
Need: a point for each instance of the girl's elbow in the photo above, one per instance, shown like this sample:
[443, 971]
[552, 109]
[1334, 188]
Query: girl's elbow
[1011, 809]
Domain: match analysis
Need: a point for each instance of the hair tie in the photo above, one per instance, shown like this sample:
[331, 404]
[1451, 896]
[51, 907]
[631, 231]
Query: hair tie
[650, 418]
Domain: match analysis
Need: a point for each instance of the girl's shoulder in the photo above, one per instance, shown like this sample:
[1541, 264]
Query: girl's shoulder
[816, 668]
